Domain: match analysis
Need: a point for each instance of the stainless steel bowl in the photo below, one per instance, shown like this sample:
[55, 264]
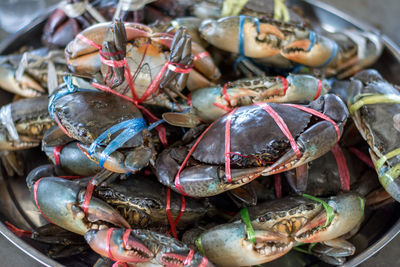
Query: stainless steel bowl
[16, 207]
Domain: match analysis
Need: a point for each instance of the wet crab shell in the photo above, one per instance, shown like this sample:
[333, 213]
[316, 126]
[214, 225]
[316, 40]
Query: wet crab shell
[86, 115]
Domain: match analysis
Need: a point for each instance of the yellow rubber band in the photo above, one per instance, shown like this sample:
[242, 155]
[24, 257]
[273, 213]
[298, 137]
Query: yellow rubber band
[281, 11]
[232, 7]
[199, 245]
[380, 162]
[387, 178]
[374, 99]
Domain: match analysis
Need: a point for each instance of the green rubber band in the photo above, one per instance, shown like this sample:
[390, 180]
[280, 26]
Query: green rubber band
[389, 176]
[310, 247]
[374, 99]
[199, 245]
[249, 228]
[232, 7]
[330, 214]
[300, 250]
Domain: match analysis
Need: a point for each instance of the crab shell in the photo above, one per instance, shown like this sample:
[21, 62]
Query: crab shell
[257, 144]
[378, 123]
[144, 248]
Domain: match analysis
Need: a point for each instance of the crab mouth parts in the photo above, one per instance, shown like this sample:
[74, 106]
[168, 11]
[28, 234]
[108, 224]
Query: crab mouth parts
[272, 248]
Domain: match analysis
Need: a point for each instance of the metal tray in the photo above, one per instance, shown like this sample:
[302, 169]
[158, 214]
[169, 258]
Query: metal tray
[16, 207]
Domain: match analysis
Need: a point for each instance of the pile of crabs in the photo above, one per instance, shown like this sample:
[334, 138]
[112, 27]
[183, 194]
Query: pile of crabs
[200, 133]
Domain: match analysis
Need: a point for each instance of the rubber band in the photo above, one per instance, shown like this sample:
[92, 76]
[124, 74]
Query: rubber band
[189, 100]
[319, 88]
[330, 214]
[364, 158]
[311, 36]
[17, 231]
[232, 7]
[201, 55]
[199, 245]
[282, 125]
[244, 213]
[70, 177]
[125, 237]
[189, 258]
[56, 154]
[284, 83]
[342, 167]
[278, 185]
[380, 162]
[281, 11]
[174, 223]
[374, 99]
[35, 188]
[228, 146]
[334, 52]
[318, 114]
[88, 41]
[203, 262]
[108, 248]
[88, 196]
[242, 19]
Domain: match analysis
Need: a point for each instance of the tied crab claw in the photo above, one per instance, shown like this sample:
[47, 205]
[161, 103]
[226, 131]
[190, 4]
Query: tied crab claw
[62, 202]
[143, 248]
[210, 103]
[262, 139]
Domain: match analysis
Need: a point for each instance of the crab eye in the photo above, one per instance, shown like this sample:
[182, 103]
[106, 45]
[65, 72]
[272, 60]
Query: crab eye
[261, 219]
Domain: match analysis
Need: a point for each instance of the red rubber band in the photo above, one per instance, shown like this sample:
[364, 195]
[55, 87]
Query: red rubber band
[113, 63]
[88, 196]
[17, 231]
[201, 55]
[189, 258]
[88, 41]
[174, 223]
[342, 168]
[278, 185]
[318, 114]
[108, 248]
[282, 125]
[284, 83]
[125, 237]
[218, 105]
[228, 146]
[318, 90]
[189, 100]
[70, 177]
[35, 188]
[225, 94]
[203, 262]
[363, 157]
[56, 154]
[102, 53]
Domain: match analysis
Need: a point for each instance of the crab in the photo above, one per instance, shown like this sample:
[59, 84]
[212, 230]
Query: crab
[210, 103]
[371, 98]
[257, 146]
[280, 225]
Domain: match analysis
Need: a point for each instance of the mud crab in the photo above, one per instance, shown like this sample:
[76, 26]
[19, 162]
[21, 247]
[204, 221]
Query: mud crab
[280, 43]
[208, 104]
[146, 57]
[273, 228]
[94, 118]
[32, 73]
[143, 248]
[269, 151]
[371, 98]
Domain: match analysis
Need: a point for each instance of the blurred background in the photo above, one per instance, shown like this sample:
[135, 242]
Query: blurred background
[381, 14]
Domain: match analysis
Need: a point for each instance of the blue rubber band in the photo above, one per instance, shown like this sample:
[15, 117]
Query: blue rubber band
[311, 36]
[115, 128]
[121, 139]
[71, 88]
[241, 33]
[334, 52]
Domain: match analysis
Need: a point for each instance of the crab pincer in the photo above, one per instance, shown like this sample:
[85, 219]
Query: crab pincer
[143, 248]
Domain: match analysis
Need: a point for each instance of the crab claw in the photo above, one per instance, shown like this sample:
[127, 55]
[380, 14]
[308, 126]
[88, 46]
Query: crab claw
[227, 245]
[26, 86]
[60, 201]
[132, 252]
[313, 52]
[348, 212]
[318, 139]
[201, 180]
